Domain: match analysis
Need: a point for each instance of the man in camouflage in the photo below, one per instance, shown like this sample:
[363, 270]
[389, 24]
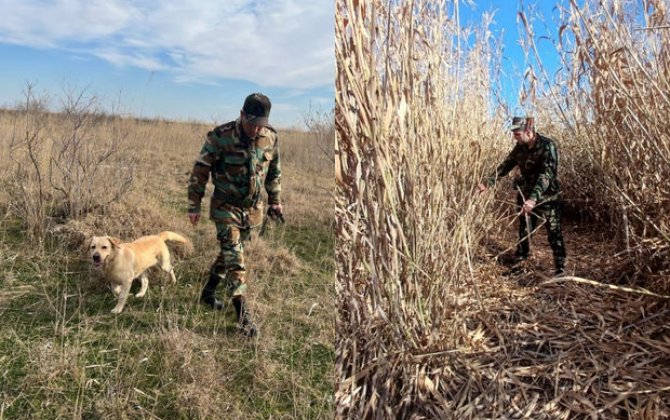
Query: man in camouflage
[538, 187]
[242, 157]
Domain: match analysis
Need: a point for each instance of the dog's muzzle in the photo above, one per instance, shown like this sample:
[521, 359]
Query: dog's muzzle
[97, 261]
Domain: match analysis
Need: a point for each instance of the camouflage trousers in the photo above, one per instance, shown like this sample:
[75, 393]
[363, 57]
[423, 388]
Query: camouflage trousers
[234, 226]
[550, 214]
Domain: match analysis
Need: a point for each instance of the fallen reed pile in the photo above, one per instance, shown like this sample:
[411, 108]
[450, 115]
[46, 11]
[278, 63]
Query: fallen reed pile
[559, 351]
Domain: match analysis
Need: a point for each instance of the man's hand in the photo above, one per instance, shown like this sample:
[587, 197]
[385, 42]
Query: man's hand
[194, 218]
[481, 188]
[528, 206]
[275, 210]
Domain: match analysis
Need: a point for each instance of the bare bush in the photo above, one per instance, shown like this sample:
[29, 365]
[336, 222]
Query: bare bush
[26, 183]
[89, 166]
[66, 164]
[321, 125]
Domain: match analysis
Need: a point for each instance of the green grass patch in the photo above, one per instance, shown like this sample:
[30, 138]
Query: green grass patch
[65, 355]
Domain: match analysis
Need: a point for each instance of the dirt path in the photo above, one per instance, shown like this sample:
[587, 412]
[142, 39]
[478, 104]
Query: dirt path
[556, 350]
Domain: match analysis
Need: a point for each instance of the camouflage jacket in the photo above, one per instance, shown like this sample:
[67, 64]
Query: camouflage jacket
[239, 166]
[538, 167]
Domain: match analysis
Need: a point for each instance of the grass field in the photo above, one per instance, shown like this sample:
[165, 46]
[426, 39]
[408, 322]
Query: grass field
[64, 355]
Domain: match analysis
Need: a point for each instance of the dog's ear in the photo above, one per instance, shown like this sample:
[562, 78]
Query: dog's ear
[114, 241]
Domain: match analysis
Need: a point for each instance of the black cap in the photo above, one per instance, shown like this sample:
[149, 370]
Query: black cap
[257, 109]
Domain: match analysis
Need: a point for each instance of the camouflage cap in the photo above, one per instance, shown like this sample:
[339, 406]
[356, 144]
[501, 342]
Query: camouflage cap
[257, 109]
[522, 123]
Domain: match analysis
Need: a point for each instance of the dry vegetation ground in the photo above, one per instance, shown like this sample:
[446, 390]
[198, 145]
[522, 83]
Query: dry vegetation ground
[550, 348]
[63, 355]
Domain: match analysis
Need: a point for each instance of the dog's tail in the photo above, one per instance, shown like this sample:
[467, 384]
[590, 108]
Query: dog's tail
[175, 237]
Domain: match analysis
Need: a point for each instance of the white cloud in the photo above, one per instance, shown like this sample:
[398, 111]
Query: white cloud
[135, 60]
[50, 24]
[281, 43]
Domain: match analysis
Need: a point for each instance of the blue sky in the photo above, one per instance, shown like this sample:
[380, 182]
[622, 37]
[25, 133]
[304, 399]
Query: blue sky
[508, 30]
[172, 59]
[199, 59]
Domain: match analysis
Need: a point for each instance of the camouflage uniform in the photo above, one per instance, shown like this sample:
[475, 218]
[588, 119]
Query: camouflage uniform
[539, 182]
[240, 167]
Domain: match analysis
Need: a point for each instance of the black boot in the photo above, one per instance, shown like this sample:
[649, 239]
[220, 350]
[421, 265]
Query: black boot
[207, 296]
[244, 324]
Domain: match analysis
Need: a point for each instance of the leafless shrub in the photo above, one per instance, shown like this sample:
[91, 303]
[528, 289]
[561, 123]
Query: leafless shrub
[88, 166]
[66, 164]
[26, 183]
[321, 125]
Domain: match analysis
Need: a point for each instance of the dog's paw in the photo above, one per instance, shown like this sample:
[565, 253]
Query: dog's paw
[140, 294]
[116, 310]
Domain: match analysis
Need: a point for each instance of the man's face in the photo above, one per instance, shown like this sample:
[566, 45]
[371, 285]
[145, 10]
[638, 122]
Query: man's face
[522, 136]
[251, 130]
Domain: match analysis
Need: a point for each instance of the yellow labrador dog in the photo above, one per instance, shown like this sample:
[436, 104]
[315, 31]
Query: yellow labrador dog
[122, 263]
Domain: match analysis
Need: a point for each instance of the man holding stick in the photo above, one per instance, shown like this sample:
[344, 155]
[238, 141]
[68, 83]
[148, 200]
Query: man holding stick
[538, 188]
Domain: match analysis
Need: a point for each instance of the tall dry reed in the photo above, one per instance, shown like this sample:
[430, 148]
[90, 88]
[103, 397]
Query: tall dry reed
[414, 136]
